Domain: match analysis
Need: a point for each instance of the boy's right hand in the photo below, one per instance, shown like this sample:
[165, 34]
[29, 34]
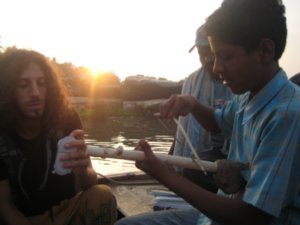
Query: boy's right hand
[177, 105]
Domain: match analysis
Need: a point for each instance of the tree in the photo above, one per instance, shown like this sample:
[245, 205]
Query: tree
[1, 47]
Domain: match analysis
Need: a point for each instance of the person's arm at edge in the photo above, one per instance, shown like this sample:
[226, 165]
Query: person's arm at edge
[219, 208]
[9, 214]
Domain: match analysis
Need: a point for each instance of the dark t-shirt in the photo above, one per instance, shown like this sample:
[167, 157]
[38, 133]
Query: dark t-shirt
[32, 197]
[296, 79]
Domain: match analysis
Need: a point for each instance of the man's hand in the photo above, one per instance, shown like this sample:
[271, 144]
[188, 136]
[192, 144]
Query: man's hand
[77, 160]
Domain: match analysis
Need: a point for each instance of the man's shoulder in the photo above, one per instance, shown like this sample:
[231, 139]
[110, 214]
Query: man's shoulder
[199, 72]
[71, 123]
[66, 126]
[198, 76]
[296, 79]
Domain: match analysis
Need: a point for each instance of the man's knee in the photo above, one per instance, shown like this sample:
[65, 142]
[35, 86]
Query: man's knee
[99, 204]
[99, 190]
[102, 193]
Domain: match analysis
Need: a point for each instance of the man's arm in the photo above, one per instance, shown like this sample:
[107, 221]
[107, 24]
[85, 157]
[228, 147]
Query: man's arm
[85, 177]
[9, 214]
[219, 208]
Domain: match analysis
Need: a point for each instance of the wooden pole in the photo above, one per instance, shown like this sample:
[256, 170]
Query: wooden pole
[120, 153]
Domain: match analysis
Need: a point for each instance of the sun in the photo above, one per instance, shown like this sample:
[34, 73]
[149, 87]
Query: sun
[96, 72]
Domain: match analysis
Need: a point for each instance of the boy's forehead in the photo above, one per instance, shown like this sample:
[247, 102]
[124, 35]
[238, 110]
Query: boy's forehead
[217, 44]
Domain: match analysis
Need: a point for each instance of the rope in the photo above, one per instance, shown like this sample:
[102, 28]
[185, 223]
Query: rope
[197, 158]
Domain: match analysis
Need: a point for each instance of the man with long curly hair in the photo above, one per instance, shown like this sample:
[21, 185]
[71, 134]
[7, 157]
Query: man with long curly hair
[34, 114]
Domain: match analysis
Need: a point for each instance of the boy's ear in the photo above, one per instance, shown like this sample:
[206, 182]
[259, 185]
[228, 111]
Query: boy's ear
[267, 50]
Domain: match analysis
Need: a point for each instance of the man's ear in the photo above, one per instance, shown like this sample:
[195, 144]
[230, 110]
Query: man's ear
[266, 50]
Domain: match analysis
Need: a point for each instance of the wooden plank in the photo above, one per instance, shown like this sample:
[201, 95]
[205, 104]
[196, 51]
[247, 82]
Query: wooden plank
[133, 192]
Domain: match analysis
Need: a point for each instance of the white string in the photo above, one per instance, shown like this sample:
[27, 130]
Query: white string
[197, 158]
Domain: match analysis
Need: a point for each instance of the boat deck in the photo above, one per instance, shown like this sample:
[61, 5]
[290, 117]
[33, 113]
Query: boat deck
[133, 192]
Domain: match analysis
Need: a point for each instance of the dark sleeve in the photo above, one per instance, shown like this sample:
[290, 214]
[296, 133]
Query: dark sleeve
[3, 159]
[3, 171]
[72, 123]
[296, 79]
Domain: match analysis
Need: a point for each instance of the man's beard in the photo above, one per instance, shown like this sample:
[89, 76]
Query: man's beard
[38, 113]
[33, 114]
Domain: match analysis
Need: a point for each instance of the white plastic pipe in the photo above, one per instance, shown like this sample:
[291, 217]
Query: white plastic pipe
[179, 161]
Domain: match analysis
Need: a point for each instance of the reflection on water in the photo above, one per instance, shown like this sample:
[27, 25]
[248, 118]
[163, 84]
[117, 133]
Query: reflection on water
[126, 131]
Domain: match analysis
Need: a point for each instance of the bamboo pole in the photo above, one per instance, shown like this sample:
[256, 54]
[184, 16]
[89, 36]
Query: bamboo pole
[120, 153]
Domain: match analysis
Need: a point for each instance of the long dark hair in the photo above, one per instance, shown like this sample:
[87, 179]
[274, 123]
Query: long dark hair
[12, 62]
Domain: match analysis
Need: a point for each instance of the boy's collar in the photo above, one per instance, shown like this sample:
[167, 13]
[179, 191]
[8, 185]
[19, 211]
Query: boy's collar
[265, 95]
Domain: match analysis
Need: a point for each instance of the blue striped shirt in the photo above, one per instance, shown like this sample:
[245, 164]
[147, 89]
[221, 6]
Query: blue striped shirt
[209, 91]
[265, 133]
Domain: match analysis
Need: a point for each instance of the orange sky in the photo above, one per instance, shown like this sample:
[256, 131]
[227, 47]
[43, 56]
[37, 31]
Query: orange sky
[128, 37]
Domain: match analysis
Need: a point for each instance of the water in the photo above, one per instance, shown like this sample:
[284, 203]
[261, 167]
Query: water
[126, 131]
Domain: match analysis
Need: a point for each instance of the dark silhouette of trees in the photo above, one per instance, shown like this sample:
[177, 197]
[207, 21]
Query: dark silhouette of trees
[82, 83]
[145, 88]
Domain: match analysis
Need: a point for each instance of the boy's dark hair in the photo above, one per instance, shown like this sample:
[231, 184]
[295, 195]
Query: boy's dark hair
[247, 22]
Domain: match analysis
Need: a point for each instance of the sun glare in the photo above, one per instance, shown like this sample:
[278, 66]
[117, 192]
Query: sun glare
[137, 37]
[96, 72]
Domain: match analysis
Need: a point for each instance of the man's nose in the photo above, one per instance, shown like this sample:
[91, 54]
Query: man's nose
[34, 89]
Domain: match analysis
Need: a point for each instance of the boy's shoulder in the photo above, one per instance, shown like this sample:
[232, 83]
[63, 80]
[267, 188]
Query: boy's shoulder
[290, 94]
[287, 101]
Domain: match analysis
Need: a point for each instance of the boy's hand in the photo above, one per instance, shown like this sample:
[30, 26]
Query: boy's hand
[177, 105]
[151, 164]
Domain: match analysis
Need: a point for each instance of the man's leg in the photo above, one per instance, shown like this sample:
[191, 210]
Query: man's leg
[96, 205]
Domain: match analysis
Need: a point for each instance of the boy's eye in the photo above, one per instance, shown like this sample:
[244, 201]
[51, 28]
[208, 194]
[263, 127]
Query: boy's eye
[224, 56]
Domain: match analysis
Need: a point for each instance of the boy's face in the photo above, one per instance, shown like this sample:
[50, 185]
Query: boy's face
[239, 70]
[31, 92]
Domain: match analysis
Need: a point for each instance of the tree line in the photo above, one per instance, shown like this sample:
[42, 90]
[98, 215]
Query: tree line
[82, 83]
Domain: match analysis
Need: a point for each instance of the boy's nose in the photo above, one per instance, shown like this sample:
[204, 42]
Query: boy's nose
[218, 67]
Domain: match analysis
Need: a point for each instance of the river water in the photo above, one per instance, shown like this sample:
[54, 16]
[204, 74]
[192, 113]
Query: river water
[127, 131]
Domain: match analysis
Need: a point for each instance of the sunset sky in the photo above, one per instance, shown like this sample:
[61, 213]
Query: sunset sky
[127, 37]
